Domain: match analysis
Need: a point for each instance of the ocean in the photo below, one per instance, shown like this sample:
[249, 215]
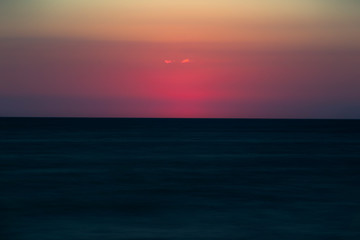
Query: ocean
[147, 179]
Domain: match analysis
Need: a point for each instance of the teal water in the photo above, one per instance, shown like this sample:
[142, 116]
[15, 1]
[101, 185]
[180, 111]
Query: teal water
[179, 179]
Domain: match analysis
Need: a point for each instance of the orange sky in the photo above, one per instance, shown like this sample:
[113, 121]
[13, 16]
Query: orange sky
[265, 22]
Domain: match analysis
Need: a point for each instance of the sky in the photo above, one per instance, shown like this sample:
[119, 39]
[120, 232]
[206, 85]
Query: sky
[180, 58]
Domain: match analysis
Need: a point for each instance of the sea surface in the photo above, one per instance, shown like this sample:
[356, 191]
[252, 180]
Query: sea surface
[157, 179]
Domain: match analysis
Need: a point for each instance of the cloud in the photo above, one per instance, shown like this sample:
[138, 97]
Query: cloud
[173, 61]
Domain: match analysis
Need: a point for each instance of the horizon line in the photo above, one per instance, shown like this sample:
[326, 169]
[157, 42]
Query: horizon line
[185, 118]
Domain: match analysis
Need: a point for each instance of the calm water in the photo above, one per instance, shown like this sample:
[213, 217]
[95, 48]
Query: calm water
[111, 179]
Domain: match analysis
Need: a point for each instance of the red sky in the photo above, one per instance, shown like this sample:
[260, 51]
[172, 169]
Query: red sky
[269, 59]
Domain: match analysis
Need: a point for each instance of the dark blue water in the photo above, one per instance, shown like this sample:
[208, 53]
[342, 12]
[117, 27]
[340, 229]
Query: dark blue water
[153, 179]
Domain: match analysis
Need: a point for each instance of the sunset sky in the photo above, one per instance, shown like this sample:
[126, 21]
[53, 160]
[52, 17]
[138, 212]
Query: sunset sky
[180, 58]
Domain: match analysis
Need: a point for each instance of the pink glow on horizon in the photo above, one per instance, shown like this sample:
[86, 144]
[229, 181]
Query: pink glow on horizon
[133, 80]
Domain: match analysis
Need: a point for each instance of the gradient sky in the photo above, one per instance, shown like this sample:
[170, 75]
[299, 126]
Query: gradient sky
[180, 58]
